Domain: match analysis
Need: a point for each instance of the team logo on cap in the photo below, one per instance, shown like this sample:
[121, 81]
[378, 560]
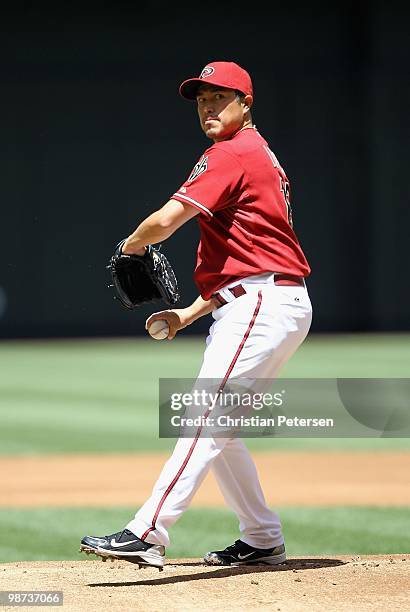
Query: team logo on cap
[207, 71]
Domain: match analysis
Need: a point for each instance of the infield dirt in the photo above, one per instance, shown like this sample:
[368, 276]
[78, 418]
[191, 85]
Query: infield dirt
[288, 478]
[342, 583]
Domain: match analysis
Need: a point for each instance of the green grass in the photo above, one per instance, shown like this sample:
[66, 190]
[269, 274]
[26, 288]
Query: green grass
[38, 534]
[102, 395]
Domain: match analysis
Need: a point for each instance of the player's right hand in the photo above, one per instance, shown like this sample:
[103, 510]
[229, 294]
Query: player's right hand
[177, 319]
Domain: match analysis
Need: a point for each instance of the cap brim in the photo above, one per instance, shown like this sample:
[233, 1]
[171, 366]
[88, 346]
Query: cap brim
[189, 88]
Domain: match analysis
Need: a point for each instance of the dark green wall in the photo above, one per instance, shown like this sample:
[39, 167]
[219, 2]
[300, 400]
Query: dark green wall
[94, 137]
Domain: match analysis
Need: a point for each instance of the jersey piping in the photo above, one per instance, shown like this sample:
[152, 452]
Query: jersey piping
[194, 202]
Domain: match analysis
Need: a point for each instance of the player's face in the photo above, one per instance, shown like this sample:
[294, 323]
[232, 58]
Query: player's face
[221, 112]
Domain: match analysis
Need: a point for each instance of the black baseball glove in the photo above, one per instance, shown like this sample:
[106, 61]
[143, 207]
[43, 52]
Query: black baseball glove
[138, 279]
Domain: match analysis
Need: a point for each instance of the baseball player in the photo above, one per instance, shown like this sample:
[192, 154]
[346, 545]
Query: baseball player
[250, 274]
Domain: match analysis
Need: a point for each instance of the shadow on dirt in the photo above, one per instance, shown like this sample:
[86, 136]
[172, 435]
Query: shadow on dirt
[226, 571]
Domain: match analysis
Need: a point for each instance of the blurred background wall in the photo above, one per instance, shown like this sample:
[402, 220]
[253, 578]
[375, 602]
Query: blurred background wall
[94, 136]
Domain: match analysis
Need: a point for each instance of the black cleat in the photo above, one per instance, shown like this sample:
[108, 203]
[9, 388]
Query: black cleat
[126, 546]
[244, 554]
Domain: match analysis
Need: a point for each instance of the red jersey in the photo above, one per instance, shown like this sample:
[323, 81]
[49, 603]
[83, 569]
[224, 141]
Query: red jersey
[242, 193]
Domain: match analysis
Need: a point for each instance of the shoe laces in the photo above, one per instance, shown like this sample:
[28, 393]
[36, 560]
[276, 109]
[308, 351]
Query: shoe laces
[234, 545]
[117, 536]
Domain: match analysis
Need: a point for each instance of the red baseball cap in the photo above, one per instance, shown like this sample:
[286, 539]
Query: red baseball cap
[223, 74]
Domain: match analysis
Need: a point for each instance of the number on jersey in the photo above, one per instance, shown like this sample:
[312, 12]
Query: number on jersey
[284, 184]
[285, 189]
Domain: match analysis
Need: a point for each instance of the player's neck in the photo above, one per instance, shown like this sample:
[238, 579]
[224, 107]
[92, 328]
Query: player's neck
[244, 127]
[248, 126]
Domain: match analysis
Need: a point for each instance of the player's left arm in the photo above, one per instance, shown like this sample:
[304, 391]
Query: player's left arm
[159, 226]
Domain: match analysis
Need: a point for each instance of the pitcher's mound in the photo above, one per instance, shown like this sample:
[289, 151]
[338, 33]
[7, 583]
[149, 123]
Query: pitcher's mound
[343, 582]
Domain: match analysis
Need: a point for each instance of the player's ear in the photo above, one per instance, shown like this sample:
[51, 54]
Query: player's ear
[248, 101]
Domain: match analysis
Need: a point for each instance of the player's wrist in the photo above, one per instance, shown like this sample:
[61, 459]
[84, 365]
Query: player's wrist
[133, 248]
[188, 315]
[196, 311]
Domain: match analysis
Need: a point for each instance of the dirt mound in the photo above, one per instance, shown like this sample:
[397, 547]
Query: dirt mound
[334, 583]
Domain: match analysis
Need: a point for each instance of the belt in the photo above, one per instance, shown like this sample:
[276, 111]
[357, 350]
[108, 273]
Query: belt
[279, 279]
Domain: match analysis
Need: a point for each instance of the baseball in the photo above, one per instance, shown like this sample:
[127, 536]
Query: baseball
[159, 329]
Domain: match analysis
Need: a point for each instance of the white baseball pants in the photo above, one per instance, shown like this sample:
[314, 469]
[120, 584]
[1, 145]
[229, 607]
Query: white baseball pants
[252, 336]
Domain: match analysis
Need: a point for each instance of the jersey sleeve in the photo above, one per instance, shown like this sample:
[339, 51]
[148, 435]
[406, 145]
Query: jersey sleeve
[214, 183]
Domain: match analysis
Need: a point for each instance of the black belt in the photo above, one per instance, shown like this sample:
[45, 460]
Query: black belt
[279, 279]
